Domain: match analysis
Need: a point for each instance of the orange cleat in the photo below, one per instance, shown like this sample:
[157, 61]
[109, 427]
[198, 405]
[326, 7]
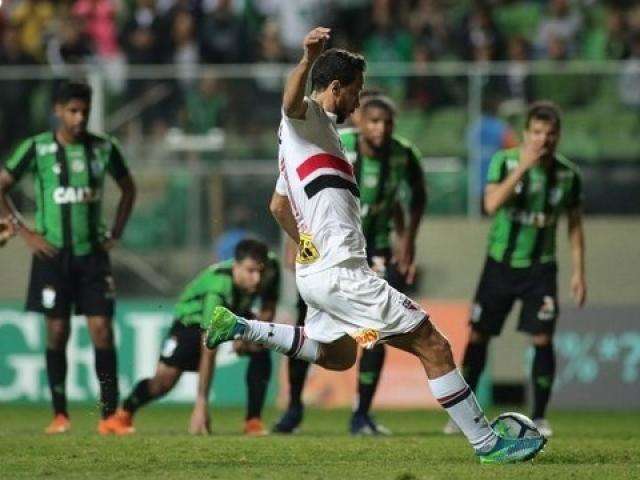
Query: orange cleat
[59, 424]
[255, 428]
[120, 423]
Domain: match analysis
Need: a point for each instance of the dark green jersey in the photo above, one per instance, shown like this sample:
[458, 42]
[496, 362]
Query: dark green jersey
[380, 181]
[214, 286]
[524, 228]
[68, 184]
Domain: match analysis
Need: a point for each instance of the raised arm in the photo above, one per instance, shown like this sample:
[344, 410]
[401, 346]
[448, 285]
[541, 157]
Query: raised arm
[497, 194]
[293, 99]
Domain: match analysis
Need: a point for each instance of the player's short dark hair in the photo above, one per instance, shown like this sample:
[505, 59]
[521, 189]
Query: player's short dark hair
[378, 101]
[251, 248]
[71, 90]
[544, 111]
[336, 64]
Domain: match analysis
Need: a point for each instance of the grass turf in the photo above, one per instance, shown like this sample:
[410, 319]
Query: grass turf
[600, 445]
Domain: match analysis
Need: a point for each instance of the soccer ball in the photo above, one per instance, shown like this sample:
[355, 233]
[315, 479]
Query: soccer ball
[515, 425]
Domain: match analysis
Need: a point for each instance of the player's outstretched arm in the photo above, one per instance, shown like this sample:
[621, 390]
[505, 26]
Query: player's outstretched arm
[576, 239]
[200, 422]
[293, 98]
[281, 211]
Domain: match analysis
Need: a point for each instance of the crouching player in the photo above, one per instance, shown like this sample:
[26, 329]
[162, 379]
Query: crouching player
[251, 276]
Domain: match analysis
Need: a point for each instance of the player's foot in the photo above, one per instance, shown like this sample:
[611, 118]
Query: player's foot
[223, 326]
[120, 423]
[59, 424]
[290, 421]
[513, 450]
[255, 428]
[364, 424]
[543, 426]
[451, 428]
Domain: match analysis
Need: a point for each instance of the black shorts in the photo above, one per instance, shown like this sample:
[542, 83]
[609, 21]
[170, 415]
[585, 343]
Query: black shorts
[58, 284]
[182, 346]
[501, 285]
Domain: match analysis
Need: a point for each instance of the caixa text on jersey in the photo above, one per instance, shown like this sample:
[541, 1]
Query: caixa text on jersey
[64, 195]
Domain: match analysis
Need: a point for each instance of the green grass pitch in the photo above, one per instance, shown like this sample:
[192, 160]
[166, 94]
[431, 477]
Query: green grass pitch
[587, 445]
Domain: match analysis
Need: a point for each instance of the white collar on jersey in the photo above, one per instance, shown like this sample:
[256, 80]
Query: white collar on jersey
[333, 117]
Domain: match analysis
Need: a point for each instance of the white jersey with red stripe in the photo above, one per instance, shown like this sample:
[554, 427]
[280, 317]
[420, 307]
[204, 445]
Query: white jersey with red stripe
[319, 181]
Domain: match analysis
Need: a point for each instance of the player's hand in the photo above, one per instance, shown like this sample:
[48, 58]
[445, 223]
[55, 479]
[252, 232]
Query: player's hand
[38, 245]
[531, 153]
[314, 43]
[579, 289]
[200, 423]
[109, 244]
[7, 230]
[405, 258]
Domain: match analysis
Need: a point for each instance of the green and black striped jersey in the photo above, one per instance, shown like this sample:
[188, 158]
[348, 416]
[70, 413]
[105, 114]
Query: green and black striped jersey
[524, 228]
[214, 287]
[380, 182]
[68, 183]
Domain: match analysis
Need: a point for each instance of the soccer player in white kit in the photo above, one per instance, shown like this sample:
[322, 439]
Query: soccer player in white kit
[316, 203]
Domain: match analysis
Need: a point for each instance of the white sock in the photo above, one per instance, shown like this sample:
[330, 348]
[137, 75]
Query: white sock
[285, 339]
[455, 396]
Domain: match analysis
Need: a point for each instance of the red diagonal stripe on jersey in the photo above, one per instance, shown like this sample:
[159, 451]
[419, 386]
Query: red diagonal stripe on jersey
[323, 160]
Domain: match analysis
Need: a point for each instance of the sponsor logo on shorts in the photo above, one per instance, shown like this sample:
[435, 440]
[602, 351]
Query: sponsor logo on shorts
[367, 337]
[111, 287]
[409, 304]
[169, 347]
[476, 312]
[48, 297]
[307, 251]
[548, 309]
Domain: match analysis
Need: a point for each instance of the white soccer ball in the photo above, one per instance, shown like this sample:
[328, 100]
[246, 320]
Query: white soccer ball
[515, 425]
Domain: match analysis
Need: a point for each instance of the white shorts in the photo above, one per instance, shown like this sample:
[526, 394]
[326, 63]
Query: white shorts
[350, 299]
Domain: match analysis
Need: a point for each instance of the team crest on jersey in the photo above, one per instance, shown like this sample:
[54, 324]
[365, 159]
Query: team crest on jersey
[307, 251]
[48, 296]
[56, 169]
[548, 309]
[555, 195]
[77, 166]
[366, 338]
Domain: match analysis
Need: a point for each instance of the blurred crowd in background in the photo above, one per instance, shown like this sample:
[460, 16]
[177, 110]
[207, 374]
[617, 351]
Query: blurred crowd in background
[113, 34]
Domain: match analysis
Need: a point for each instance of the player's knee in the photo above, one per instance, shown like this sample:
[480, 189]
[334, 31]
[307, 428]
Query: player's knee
[542, 340]
[477, 337]
[57, 335]
[102, 336]
[339, 362]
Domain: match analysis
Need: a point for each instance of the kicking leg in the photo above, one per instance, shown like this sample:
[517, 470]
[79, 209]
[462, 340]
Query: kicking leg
[453, 393]
[224, 326]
